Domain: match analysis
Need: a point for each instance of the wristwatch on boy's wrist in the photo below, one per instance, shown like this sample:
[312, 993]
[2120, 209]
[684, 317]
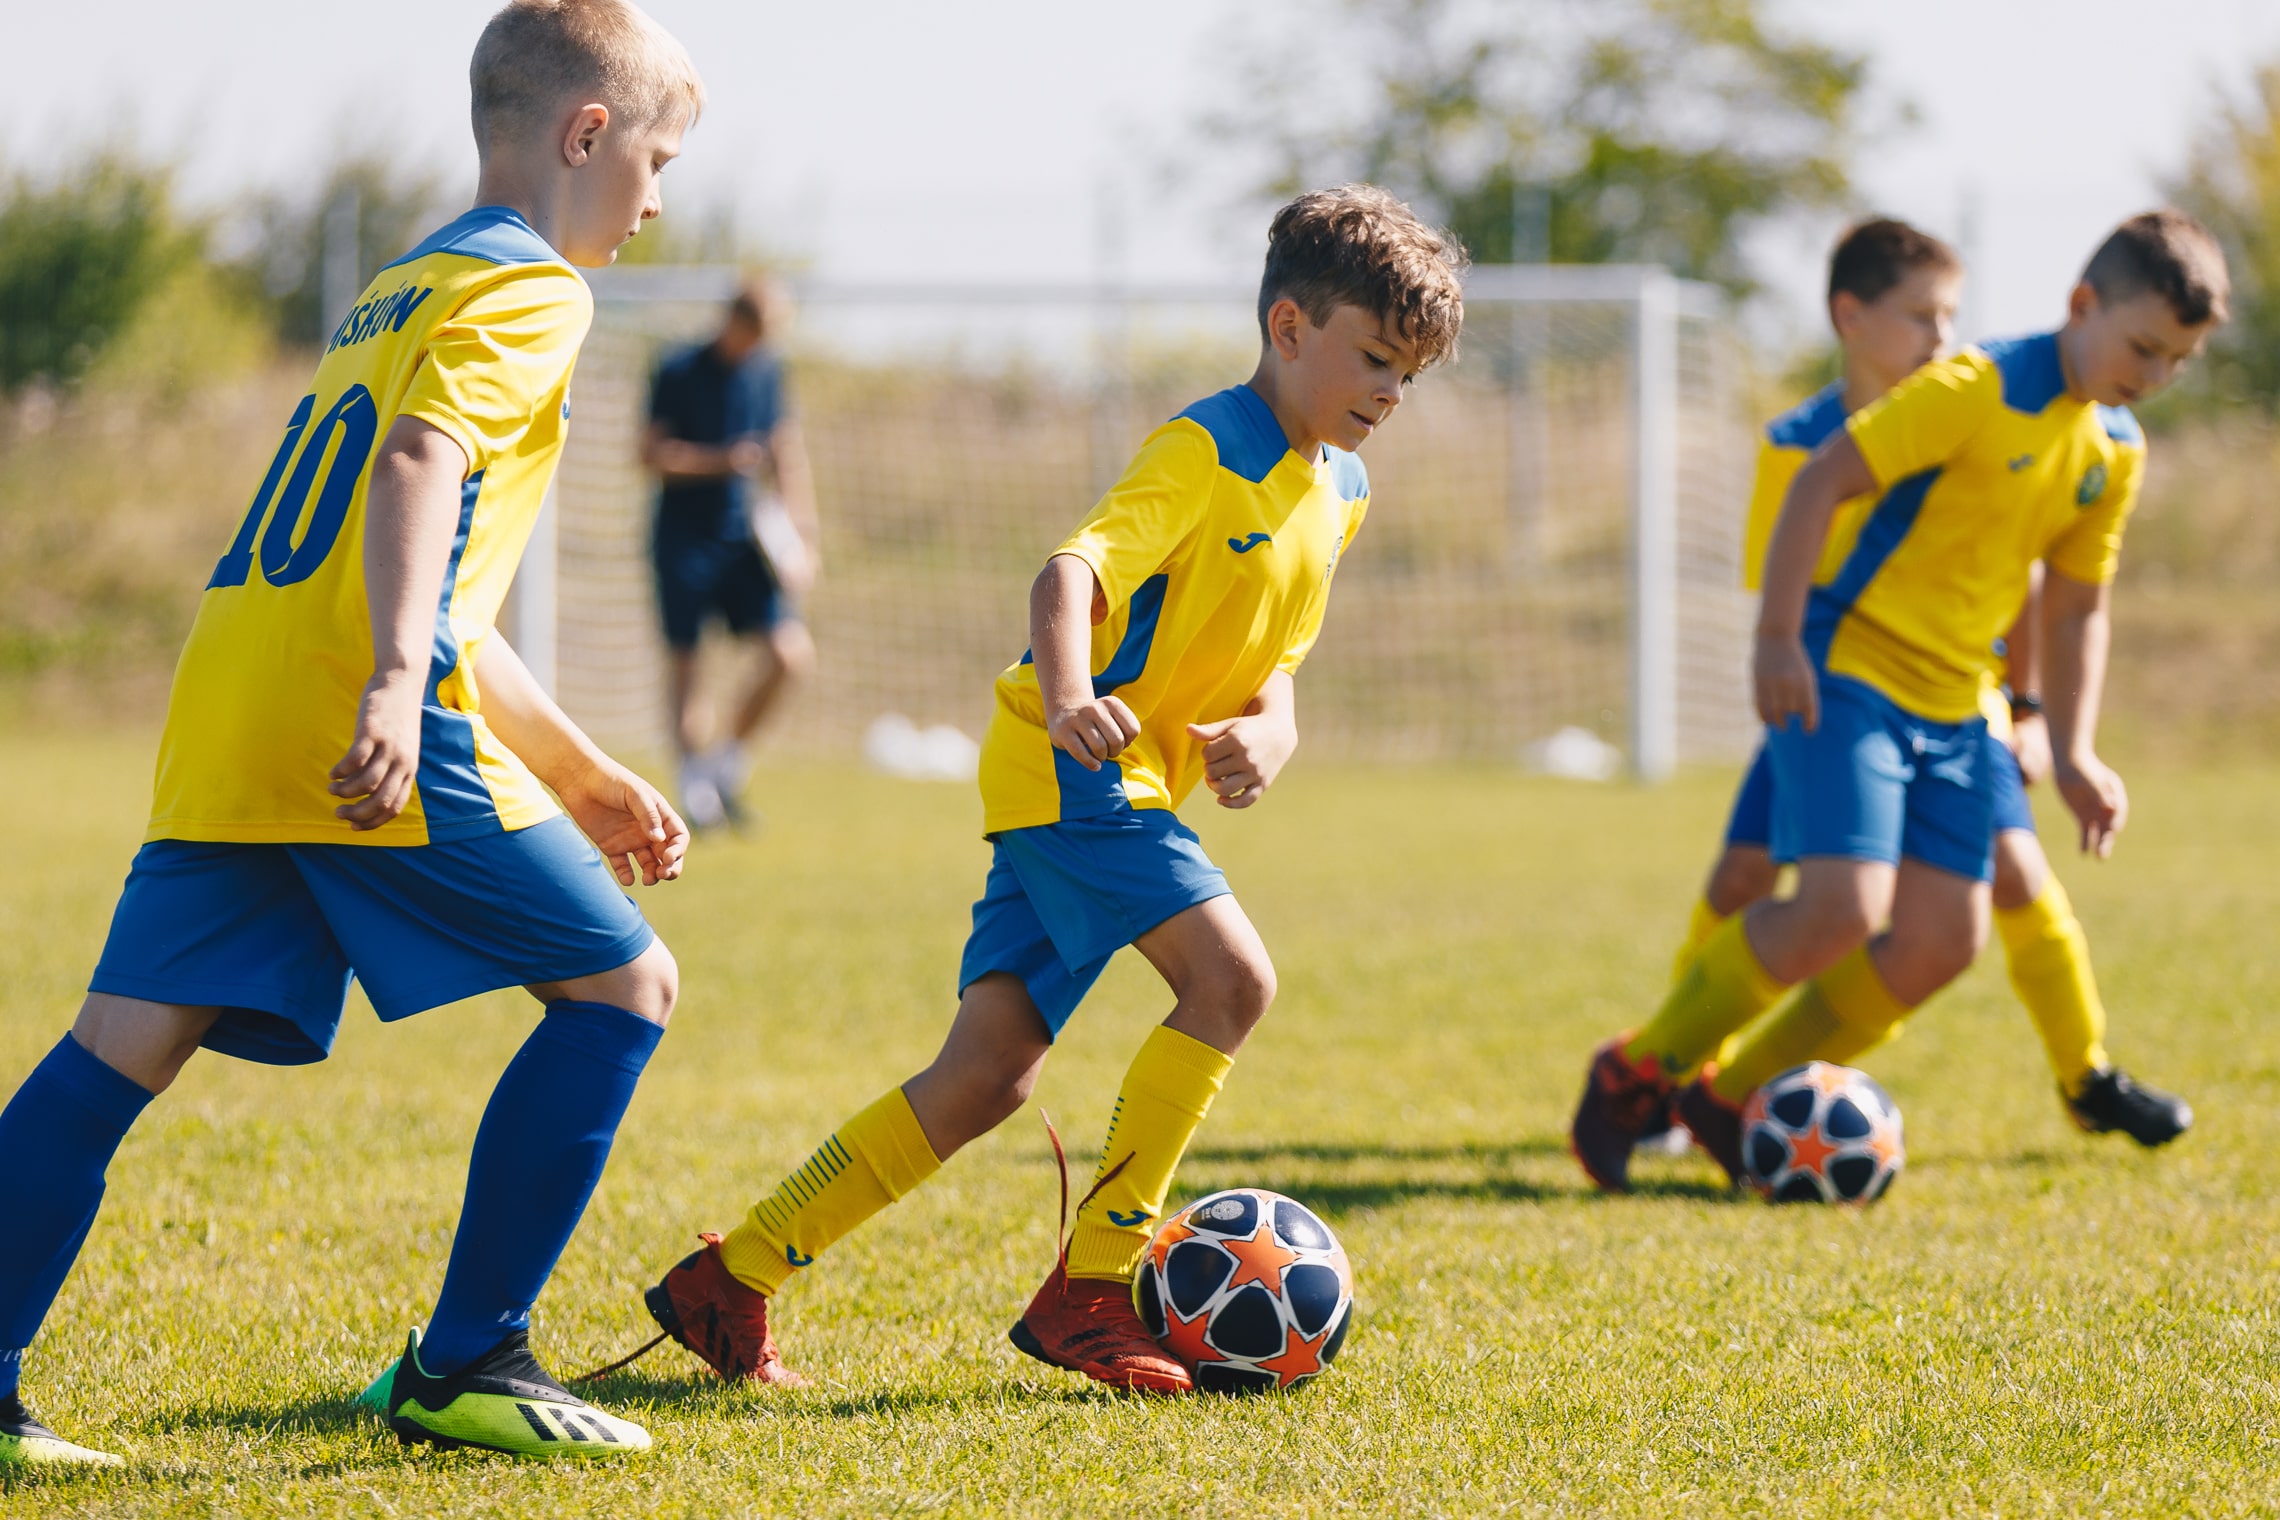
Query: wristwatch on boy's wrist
[2026, 702]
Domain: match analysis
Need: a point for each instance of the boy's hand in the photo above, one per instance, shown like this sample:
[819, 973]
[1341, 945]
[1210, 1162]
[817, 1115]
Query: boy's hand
[1095, 731]
[1242, 756]
[1785, 683]
[2030, 746]
[2098, 799]
[384, 758]
[629, 821]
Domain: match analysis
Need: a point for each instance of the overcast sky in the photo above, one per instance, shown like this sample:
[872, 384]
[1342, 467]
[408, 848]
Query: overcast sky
[912, 139]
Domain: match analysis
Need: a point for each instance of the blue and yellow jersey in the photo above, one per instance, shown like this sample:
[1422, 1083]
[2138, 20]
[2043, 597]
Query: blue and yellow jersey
[1789, 440]
[1214, 555]
[1985, 465]
[473, 332]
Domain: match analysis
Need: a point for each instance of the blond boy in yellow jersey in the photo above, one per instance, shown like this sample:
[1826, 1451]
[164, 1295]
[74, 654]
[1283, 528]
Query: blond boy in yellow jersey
[1164, 637]
[1871, 684]
[355, 771]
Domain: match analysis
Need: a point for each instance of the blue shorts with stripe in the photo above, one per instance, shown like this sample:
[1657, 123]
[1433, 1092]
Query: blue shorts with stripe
[271, 933]
[1750, 825]
[1875, 782]
[1062, 898]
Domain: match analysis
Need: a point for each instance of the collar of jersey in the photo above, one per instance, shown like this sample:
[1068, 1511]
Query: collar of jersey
[494, 234]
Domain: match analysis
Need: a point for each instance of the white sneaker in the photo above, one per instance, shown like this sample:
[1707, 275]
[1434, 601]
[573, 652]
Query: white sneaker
[700, 795]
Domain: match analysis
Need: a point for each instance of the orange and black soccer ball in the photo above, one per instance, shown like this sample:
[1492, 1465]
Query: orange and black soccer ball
[1249, 1289]
[1820, 1133]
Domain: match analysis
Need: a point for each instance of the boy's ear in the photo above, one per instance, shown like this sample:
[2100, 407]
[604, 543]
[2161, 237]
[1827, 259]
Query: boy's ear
[1283, 320]
[1844, 312]
[584, 130]
[2081, 301]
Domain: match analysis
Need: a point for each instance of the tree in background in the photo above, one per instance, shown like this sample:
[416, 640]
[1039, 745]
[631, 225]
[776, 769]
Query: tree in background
[1594, 131]
[80, 258]
[2232, 183]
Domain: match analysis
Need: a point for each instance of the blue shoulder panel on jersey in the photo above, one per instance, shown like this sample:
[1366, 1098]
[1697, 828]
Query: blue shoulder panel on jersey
[1887, 525]
[2032, 376]
[494, 234]
[1251, 442]
[1347, 474]
[2121, 424]
[1808, 424]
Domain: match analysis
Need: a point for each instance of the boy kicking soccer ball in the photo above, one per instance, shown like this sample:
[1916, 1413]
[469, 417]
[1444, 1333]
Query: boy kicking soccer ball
[1164, 635]
[350, 781]
[1870, 684]
[1892, 298]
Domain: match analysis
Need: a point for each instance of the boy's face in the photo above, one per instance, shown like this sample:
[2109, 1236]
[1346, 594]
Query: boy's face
[1345, 377]
[2123, 351]
[616, 187]
[1902, 330]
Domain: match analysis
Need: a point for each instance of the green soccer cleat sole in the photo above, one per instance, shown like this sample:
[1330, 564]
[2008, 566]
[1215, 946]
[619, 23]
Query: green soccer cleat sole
[517, 1427]
[28, 1452]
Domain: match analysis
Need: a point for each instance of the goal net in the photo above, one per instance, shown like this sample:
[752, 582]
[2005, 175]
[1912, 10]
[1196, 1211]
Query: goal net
[1553, 541]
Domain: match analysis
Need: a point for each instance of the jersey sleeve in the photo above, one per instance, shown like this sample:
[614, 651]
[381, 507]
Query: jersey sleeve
[2090, 548]
[1151, 513]
[1310, 621]
[1927, 419]
[1776, 468]
[504, 353]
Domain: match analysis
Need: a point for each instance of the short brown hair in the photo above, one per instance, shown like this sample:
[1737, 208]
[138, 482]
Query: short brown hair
[2168, 253]
[534, 54]
[1874, 256]
[1357, 245]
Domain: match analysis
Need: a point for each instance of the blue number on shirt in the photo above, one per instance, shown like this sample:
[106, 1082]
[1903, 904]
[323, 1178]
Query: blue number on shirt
[283, 562]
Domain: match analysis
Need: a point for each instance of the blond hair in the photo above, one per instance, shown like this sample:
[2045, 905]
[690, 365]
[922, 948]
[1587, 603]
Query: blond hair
[1356, 245]
[537, 54]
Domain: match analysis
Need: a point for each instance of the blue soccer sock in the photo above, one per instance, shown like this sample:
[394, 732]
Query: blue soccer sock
[57, 1137]
[538, 1154]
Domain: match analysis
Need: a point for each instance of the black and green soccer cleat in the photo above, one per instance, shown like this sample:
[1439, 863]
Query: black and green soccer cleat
[2111, 1101]
[502, 1401]
[25, 1442]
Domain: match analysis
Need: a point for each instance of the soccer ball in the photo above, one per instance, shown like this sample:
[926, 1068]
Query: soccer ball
[1821, 1134]
[1248, 1289]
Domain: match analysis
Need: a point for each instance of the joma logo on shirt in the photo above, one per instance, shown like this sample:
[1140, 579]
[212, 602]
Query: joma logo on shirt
[2093, 484]
[1247, 544]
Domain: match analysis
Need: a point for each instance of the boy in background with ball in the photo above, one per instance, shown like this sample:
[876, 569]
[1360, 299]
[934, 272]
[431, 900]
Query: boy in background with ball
[1870, 683]
[1164, 637]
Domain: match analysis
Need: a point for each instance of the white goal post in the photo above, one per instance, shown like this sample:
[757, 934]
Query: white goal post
[1554, 541]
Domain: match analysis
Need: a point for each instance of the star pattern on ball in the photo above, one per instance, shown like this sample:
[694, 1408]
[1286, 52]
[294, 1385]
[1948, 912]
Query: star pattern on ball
[1300, 1358]
[1262, 1260]
[1808, 1151]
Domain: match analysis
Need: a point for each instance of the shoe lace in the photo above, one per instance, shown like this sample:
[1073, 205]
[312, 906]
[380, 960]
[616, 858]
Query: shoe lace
[1061, 1159]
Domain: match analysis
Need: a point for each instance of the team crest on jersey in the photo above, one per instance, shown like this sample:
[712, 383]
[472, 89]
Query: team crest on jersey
[2093, 484]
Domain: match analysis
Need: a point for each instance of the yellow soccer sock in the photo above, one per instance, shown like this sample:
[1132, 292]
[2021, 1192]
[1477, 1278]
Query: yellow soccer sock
[1165, 1096]
[872, 1160]
[1845, 1010]
[2050, 970]
[1721, 992]
[1700, 925]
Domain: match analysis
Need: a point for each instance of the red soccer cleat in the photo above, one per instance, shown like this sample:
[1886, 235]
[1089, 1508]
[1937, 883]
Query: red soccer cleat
[1621, 1102]
[1088, 1325]
[1715, 1124]
[702, 1305]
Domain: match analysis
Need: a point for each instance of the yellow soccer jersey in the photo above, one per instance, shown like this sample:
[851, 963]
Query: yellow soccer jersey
[474, 332]
[1214, 555]
[1789, 441]
[1985, 465]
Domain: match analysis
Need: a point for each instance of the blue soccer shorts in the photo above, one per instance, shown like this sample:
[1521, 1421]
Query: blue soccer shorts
[1875, 782]
[700, 577]
[271, 933]
[1062, 898]
[1751, 822]
[2012, 814]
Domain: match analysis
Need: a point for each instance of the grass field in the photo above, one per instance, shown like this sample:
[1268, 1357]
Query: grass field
[2032, 1323]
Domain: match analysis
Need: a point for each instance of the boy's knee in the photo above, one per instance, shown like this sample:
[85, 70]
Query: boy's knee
[2020, 869]
[793, 649]
[647, 986]
[1838, 922]
[1242, 987]
[1742, 876]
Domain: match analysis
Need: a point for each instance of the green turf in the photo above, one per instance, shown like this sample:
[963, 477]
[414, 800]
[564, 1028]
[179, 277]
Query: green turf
[2034, 1322]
